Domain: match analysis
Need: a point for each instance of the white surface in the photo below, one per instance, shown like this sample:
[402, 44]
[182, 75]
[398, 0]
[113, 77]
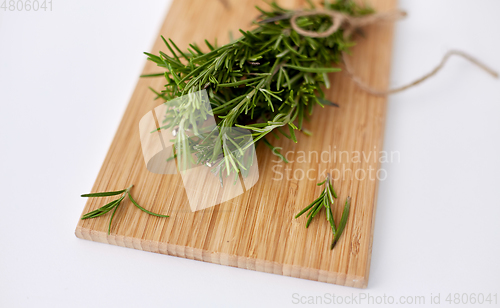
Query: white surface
[65, 79]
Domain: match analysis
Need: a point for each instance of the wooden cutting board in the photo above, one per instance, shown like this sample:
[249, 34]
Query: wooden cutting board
[257, 229]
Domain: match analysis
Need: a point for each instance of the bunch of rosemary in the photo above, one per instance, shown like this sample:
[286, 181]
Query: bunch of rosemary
[267, 81]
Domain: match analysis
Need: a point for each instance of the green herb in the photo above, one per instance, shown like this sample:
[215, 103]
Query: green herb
[265, 81]
[114, 205]
[343, 222]
[326, 200]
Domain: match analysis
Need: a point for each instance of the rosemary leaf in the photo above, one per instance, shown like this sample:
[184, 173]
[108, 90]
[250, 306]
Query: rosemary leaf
[113, 215]
[104, 194]
[319, 70]
[143, 209]
[153, 75]
[343, 222]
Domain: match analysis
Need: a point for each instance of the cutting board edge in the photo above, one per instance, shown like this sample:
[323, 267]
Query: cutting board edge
[246, 263]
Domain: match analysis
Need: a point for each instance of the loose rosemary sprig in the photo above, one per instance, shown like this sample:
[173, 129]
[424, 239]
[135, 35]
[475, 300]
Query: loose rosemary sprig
[114, 205]
[326, 200]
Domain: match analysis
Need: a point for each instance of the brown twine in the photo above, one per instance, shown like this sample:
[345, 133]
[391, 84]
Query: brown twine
[350, 24]
[339, 19]
[450, 53]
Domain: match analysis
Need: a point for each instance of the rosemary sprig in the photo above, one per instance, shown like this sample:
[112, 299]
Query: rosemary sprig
[326, 200]
[114, 205]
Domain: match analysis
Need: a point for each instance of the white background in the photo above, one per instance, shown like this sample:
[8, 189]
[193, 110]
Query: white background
[66, 77]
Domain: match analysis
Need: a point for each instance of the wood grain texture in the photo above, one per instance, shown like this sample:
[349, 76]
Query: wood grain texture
[257, 230]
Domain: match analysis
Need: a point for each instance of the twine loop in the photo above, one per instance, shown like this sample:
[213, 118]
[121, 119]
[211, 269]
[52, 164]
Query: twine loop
[349, 24]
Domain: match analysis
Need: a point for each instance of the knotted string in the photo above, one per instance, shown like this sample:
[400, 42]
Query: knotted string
[349, 24]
